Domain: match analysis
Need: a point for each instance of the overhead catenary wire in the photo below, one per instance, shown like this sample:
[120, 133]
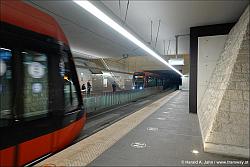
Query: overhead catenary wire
[164, 47]
[176, 46]
[126, 12]
[168, 46]
[157, 32]
[151, 32]
[120, 8]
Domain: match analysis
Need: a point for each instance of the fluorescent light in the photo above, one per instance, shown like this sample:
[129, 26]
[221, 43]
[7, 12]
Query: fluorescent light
[104, 18]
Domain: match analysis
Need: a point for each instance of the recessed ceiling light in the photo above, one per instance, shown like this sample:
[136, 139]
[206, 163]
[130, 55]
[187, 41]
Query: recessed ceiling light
[107, 20]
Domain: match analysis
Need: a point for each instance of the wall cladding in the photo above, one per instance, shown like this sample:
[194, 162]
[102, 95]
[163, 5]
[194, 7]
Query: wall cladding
[224, 109]
[209, 51]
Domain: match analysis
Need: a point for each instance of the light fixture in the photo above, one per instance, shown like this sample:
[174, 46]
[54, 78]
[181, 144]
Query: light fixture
[107, 20]
[107, 74]
[5, 49]
[176, 62]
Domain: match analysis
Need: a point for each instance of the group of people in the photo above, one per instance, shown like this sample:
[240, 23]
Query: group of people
[88, 87]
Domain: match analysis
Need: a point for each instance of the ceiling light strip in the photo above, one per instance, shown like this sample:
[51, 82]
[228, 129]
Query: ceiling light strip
[104, 18]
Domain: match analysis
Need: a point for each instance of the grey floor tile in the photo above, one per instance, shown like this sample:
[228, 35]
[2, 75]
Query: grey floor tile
[169, 145]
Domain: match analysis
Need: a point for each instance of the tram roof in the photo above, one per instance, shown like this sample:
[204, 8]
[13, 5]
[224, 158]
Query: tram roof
[21, 14]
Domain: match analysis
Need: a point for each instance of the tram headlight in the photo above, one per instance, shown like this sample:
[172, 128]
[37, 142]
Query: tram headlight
[140, 87]
[133, 87]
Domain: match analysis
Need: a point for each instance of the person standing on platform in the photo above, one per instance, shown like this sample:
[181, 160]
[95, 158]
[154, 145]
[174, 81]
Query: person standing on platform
[88, 87]
[114, 86]
[83, 88]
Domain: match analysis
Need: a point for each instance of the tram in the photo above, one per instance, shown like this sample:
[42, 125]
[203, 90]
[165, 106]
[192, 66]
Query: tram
[41, 108]
[146, 79]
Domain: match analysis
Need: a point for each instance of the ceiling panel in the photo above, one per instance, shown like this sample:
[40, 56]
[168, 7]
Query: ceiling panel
[86, 33]
[176, 17]
[89, 35]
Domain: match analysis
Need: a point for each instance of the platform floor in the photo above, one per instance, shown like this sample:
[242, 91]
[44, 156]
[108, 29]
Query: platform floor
[161, 134]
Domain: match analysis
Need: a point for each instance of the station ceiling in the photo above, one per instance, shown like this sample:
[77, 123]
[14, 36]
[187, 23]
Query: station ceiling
[89, 37]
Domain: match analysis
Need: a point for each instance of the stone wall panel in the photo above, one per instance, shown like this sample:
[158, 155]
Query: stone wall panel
[224, 109]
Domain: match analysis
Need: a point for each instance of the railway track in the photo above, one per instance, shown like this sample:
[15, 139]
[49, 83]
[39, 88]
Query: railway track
[101, 120]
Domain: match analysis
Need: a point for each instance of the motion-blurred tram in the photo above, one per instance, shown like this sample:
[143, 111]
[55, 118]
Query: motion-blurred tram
[41, 108]
[146, 79]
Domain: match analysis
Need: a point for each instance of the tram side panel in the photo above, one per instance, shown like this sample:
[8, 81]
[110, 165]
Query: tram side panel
[39, 86]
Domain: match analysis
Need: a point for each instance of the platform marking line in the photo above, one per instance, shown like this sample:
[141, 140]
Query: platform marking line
[87, 150]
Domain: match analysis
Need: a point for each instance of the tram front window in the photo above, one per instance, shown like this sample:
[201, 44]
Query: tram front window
[70, 94]
[5, 82]
[138, 81]
[151, 81]
[35, 83]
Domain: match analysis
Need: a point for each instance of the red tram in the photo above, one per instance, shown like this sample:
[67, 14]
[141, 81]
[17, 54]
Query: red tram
[41, 108]
[146, 79]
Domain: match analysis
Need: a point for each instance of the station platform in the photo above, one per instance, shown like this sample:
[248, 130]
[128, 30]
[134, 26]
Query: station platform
[163, 133]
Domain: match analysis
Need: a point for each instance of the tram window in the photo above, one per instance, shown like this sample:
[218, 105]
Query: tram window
[35, 83]
[151, 81]
[70, 94]
[5, 82]
[67, 92]
[74, 96]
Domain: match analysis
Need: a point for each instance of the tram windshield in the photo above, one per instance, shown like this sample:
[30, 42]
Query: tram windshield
[5, 82]
[35, 83]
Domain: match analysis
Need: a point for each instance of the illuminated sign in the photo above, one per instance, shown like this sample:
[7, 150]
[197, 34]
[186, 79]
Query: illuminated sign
[176, 62]
[36, 70]
[138, 76]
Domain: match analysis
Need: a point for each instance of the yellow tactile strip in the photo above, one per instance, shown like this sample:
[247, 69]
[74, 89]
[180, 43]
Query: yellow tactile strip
[85, 151]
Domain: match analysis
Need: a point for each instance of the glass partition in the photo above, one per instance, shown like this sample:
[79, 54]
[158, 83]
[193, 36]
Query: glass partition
[106, 100]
